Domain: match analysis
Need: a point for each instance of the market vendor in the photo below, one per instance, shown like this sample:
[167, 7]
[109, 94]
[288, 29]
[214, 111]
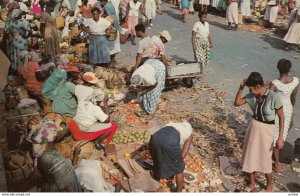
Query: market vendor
[99, 47]
[91, 123]
[258, 145]
[27, 71]
[168, 147]
[142, 54]
[64, 100]
[156, 47]
[149, 79]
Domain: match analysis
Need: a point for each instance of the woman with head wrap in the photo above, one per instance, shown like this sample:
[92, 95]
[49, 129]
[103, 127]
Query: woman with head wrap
[27, 71]
[49, 31]
[58, 76]
[17, 29]
[91, 123]
[150, 79]
[58, 173]
[168, 147]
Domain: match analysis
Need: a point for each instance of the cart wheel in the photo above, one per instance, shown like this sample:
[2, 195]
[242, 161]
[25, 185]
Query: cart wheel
[189, 82]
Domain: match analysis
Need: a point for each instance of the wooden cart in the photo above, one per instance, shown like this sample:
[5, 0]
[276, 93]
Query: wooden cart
[184, 71]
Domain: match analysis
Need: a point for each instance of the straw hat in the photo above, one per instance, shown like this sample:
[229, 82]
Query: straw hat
[90, 77]
[165, 34]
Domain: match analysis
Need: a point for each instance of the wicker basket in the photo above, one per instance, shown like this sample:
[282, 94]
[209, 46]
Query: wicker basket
[29, 109]
[21, 174]
[113, 34]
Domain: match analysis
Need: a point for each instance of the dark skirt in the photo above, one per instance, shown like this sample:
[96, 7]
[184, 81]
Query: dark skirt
[99, 49]
[165, 150]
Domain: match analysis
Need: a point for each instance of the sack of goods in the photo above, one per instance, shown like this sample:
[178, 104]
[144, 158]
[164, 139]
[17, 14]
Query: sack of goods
[60, 22]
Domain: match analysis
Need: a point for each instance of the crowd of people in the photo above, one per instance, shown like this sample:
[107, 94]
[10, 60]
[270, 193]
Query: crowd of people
[32, 41]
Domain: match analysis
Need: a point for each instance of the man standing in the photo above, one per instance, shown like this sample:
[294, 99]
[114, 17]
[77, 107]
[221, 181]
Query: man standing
[142, 54]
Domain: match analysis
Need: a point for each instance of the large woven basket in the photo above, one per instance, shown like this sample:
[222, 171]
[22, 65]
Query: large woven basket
[21, 174]
[113, 34]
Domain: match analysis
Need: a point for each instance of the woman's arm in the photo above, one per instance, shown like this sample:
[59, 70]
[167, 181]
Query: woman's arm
[279, 142]
[149, 88]
[238, 98]
[106, 108]
[294, 94]
[139, 58]
[108, 30]
[186, 146]
[142, 10]
[210, 42]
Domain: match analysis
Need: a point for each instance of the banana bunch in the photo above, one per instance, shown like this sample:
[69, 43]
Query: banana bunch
[74, 59]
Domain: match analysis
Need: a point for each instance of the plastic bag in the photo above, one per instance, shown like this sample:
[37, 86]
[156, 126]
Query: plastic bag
[212, 54]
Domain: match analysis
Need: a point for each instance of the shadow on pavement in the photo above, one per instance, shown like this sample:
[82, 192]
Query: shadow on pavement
[217, 24]
[286, 154]
[293, 187]
[273, 41]
[176, 16]
[177, 58]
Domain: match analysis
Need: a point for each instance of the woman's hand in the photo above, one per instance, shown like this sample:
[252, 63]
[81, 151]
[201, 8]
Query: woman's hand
[279, 143]
[242, 84]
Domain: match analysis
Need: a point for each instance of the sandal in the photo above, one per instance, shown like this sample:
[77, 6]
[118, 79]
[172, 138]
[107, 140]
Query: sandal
[99, 146]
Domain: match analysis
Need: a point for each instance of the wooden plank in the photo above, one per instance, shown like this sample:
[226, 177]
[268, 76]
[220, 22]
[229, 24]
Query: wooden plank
[184, 76]
[183, 69]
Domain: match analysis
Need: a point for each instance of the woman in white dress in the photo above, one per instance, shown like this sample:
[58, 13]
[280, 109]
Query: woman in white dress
[293, 35]
[204, 4]
[271, 13]
[232, 14]
[245, 8]
[286, 86]
[201, 40]
[150, 11]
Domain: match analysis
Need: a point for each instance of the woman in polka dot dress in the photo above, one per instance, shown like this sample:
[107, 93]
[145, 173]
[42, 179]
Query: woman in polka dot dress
[286, 86]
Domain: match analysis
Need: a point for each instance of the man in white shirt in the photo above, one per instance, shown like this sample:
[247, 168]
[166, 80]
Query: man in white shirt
[142, 54]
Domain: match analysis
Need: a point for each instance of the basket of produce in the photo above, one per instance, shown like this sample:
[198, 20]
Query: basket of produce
[81, 48]
[131, 137]
[18, 166]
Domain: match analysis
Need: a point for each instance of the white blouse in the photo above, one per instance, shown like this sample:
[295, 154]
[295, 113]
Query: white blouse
[201, 29]
[97, 27]
[134, 8]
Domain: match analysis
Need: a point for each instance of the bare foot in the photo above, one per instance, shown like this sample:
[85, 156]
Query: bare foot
[150, 116]
[269, 188]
